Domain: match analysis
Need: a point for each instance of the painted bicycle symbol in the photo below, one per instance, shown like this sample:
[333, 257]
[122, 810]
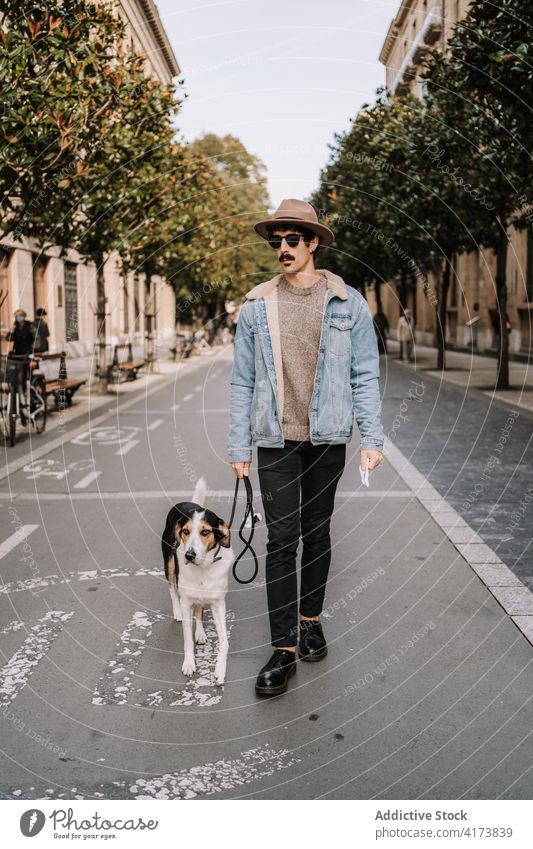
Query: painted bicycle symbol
[55, 468]
[107, 435]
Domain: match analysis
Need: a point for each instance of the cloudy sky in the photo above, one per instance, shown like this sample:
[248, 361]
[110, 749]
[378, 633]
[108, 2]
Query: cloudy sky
[283, 77]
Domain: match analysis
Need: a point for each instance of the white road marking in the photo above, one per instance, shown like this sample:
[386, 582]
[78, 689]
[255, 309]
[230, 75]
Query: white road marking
[20, 535]
[15, 674]
[126, 448]
[55, 468]
[206, 779]
[116, 685]
[36, 453]
[155, 424]
[198, 781]
[84, 482]
[134, 495]
[110, 435]
[14, 625]
[197, 389]
[41, 583]
[175, 407]
[188, 397]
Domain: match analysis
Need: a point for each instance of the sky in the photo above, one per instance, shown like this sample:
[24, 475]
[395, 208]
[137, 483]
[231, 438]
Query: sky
[282, 77]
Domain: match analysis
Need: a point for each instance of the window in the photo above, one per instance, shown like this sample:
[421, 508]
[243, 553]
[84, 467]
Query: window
[529, 267]
[453, 283]
[6, 308]
[40, 290]
[71, 302]
[126, 306]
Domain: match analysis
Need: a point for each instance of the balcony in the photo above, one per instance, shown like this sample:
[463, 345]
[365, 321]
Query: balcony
[426, 36]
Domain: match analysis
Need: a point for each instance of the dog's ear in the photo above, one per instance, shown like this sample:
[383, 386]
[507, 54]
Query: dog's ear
[222, 534]
[179, 527]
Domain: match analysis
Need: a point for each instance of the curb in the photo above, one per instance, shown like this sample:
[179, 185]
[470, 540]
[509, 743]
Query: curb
[511, 594]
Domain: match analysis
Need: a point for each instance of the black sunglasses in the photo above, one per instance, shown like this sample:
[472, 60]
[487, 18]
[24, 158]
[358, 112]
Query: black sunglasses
[292, 240]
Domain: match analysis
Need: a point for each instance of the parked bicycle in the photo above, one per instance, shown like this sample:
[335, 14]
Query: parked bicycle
[23, 394]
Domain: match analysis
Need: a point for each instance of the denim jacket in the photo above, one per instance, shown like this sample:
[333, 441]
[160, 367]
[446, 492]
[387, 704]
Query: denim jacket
[346, 377]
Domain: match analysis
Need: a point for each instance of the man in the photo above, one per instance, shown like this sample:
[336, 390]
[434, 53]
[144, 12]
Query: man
[41, 331]
[305, 360]
[22, 335]
[405, 334]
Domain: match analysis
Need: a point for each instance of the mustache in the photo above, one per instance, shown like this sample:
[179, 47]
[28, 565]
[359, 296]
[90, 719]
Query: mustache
[285, 256]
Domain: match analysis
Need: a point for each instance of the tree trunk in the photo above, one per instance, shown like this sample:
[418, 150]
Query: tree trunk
[402, 293]
[502, 379]
[101, 316]
[377, 292]
[149, 315]
[440, 313]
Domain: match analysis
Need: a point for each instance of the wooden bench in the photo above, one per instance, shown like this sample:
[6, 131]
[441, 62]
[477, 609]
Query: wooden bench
[127, 366]
[62, 387]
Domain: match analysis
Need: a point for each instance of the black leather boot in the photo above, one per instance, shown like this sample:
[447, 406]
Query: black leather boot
[313, 644]
[274, 676]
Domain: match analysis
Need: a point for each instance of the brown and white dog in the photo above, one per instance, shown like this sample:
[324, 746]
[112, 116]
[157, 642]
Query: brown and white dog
[198, 559]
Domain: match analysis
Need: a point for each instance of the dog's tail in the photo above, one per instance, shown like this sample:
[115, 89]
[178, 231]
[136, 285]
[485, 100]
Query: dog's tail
[199, 492]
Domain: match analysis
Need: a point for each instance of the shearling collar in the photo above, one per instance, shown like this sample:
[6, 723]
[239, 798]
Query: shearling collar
[334, 282]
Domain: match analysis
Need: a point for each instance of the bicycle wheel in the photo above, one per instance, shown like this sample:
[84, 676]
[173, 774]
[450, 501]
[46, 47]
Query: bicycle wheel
[12, 414]
[38, 407]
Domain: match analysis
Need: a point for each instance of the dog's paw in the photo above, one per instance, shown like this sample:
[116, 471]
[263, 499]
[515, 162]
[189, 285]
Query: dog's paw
[220, 673]
[176, 615]
[189, 666]
[201, 637]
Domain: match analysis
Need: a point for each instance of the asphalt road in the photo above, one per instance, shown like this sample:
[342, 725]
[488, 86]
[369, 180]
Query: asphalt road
[425, 693]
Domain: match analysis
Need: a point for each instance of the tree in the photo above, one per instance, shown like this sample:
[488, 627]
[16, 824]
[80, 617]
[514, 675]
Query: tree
[245, 256]
[57, 79]
[175, 239]
[485, 132]
[395, 213]
[84, 100]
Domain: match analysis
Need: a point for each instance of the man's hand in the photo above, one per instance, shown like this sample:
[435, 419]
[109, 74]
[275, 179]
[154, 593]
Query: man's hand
[374, 458]
[241, 469]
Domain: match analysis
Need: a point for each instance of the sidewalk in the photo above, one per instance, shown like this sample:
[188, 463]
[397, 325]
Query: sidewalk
[473, 371]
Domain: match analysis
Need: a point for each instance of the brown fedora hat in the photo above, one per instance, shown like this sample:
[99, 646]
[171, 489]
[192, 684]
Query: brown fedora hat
[296, 212]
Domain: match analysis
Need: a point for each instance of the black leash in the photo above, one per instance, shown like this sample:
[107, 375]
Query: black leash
[247, 542]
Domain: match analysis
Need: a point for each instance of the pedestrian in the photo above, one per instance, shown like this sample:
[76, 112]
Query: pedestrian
[474, 327]
[41, 331]
[381, 327]
[405, 334]
[22, 334]
[305, 361]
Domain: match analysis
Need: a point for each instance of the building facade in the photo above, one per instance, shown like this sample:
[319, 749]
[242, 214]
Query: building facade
[419, 26]
[66, 287]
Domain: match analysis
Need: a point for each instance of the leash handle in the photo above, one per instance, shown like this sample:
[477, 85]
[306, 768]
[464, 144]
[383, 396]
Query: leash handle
[247, 542]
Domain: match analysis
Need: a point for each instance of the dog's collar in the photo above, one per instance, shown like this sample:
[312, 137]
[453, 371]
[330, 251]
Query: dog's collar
[219, 557]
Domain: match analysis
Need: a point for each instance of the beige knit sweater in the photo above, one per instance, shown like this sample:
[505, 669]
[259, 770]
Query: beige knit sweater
[300, 313]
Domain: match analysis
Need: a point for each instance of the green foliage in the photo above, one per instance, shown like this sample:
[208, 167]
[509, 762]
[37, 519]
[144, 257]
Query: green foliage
[58, 80]
[243, 200]
[91, 159]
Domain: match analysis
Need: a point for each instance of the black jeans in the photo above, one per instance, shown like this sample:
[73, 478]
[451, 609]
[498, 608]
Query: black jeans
[285, 474]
